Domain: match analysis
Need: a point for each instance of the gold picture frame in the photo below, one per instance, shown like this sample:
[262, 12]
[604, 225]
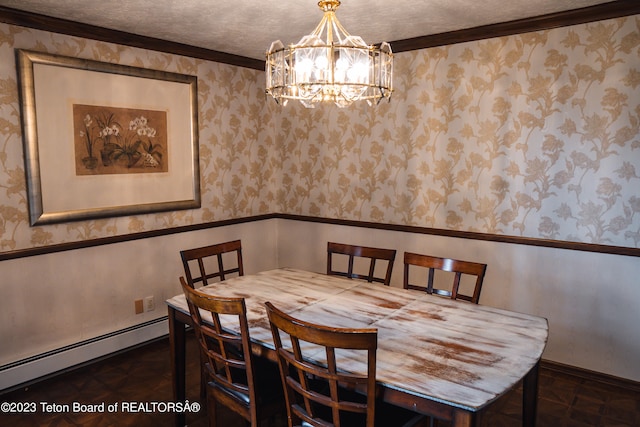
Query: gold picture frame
[104, 140]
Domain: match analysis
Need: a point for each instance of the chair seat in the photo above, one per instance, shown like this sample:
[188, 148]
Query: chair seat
[242, 397]
[267, 383]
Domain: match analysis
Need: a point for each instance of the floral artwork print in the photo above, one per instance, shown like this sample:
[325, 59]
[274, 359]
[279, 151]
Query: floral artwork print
[111, 140]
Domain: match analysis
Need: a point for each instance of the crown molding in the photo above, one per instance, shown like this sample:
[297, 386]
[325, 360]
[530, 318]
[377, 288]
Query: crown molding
[614, 9]
[77, 29]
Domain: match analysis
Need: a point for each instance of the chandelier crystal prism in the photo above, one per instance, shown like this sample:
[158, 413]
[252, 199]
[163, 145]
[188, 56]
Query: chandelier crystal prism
[329, 65]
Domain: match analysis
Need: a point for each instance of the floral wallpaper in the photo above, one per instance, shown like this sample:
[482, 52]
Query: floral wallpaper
[534, 135]
[232, 156]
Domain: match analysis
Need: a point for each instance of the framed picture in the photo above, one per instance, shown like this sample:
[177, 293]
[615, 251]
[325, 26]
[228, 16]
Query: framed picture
[104, 140]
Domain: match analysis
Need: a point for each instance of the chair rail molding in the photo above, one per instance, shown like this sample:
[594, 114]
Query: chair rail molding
[516, 240]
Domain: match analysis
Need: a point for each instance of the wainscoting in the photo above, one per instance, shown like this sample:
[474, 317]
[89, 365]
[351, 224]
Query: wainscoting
[588, 329]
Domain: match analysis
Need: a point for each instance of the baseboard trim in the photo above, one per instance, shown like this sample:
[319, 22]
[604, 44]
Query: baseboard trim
[590, 375]
[23, 372]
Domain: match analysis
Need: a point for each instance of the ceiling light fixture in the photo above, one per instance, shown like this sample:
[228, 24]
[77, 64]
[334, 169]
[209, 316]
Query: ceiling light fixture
[329, 65]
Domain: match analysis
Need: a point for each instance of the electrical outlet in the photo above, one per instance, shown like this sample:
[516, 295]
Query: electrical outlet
[149, 304]
[139, 306]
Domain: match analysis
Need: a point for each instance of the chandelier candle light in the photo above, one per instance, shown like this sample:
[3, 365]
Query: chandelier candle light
[329, 65]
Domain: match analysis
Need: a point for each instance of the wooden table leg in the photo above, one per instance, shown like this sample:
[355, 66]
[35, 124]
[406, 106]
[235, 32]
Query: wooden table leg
[530, 397]
[463, 418]
[177, 343]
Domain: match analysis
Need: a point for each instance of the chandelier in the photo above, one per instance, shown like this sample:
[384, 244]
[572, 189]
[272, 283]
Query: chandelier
[329, 65]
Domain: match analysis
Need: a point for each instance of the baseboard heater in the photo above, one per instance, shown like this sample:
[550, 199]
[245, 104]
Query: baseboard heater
[22, 372]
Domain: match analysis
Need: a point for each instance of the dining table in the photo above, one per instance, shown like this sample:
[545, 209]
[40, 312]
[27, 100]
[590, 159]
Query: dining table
[436, 356]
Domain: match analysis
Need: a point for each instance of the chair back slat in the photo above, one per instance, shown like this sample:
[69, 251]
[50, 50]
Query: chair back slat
[458, 267]
[228, 361]
[318, 392]
[212, 257]
[352, 252]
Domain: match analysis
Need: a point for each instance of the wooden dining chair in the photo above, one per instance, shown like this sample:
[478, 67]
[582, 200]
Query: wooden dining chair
[209, 262]
[352, 252]
[236, 379]
[318, 392]
[458, 267]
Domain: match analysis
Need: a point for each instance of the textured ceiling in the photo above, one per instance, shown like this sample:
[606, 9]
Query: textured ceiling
[247, 27]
